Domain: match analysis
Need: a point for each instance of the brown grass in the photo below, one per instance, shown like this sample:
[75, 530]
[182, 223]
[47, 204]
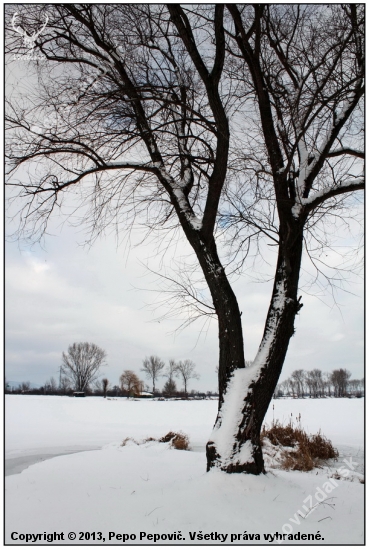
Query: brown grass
[178, 440]
[307, 451]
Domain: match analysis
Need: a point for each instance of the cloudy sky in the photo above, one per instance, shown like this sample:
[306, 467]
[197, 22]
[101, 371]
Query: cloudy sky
[62, 292]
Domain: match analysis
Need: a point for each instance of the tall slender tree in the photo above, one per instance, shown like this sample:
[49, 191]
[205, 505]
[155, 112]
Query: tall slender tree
[153, 367]
[186, 370]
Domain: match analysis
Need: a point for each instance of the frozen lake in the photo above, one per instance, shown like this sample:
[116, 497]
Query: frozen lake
[42, 427]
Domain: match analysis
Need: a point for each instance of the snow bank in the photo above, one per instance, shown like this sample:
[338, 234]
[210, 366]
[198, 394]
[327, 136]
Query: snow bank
[155, 490]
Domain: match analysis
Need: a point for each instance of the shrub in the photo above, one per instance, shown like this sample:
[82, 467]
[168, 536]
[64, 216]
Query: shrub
[304, 452]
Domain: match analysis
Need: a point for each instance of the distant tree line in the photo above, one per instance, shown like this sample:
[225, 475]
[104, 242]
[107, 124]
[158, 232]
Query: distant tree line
[315, 383]
[80, 372]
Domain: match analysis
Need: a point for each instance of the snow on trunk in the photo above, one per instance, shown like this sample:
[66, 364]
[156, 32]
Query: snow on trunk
[229, 449]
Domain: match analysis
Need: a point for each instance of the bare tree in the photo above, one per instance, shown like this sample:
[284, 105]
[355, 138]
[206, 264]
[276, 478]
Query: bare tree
[64, 385]
[327, 384]
[170, 387]
[353, 386]
[292, 387]
[340, 379]
[24, 386]
[153, 367]
[298, 376]
[81, 364]
[51, 386]
[105, 386]
[171, 370]
[186, 370]
[130, 383]
[314, 381]
[284, 387]
[246, 115]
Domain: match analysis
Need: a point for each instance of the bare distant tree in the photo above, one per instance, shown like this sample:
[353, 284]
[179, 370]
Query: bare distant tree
[153, 367]
[292, 387]
[327, 383]
[340, 378]
[315, 383]
[81, 364]
[170, 387]
[237, 122]
[64, 385]
[130, 383]
[186, 371]
[171, 370]
[24, 386]
[51, 386]
[353, 386]
[298, 376]
[105, 385]
[284, 387]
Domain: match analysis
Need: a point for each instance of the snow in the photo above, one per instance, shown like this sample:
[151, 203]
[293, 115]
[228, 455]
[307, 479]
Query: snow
[130, 164]
[193, 220]
[230, 415]
[319, 194]
[297, 207]
[154, 489]
[296, 210]
[303, 169]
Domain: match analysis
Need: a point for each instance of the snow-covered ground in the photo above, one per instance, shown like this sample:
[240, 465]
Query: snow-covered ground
[159, 491]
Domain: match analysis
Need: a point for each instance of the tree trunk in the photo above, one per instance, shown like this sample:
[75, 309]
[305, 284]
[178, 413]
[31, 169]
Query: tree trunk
[234, 445]
[231, 351]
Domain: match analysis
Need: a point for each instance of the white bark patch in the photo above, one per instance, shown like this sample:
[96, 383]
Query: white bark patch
[348, 184]
[182, 201]
[230, 416]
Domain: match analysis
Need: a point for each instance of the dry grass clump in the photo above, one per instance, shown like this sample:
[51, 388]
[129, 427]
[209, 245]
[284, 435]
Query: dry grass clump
[280, 435]
[321, 447]
[148, 439]
[307, 451]
[178, 440]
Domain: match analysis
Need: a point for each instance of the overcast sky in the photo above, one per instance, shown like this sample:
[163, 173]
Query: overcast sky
[63, 293]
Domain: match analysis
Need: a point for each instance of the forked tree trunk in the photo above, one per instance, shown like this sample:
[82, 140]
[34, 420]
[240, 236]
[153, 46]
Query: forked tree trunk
[245, 393]
[234, 445]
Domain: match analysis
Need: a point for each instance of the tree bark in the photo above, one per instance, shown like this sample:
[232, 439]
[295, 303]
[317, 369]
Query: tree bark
[231, 350]
[250, 390]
